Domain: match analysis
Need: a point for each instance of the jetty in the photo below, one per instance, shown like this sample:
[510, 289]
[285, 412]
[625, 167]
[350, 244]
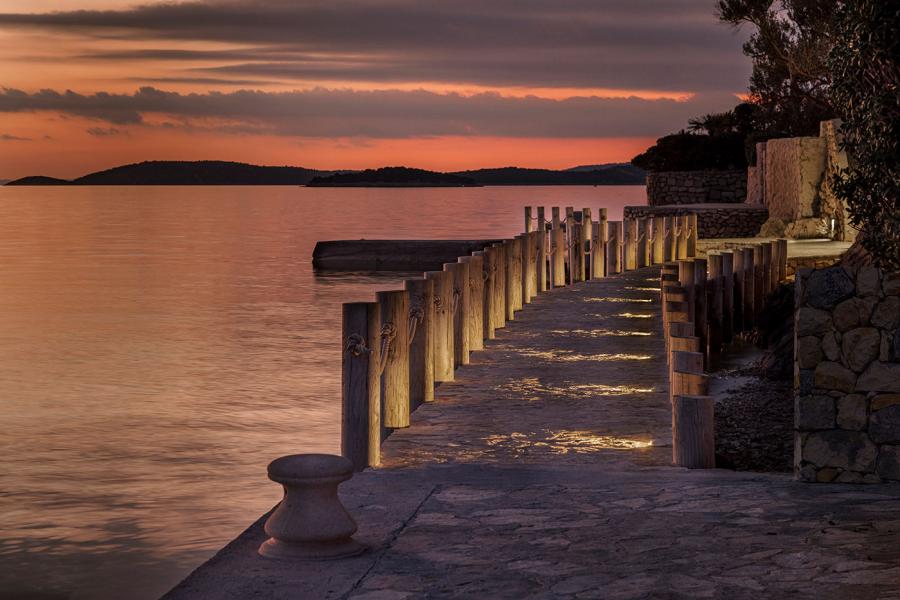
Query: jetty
[533, 421]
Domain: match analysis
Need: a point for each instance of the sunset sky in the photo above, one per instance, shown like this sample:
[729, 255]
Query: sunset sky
[89, 84]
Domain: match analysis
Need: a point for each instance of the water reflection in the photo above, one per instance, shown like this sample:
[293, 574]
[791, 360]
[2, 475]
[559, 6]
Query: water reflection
[161, 345]
[564, 442]
[532, 389]
[573, 356]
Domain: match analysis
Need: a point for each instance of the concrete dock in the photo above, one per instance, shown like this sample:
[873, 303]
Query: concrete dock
[543, 471]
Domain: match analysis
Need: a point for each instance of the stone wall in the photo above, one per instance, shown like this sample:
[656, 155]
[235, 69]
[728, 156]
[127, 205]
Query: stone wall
[713, 220]
[847, 375]
[696, 187]
[756, 181]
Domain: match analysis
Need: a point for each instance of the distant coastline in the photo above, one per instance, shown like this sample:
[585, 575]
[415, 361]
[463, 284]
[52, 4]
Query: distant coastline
[233, 173]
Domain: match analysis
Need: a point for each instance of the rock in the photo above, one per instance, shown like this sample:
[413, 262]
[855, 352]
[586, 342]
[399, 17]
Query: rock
[887, 314]
[891, 284]
[851, 450]
[851, 412]
[774, 227]
[879, 377]
[860, 347]
[895, 347]
[826, 475]
[884, 425]
[827, 287]
[854, 477]
[809, 352]
[812, 321]
[851, 313]
[814, 412]
[834, 376]
[806, 381]
[868, 281]
[830, 347]
[885, 400]
[888, 465]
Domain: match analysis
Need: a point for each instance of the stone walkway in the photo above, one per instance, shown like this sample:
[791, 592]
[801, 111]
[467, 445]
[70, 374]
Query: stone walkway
[543, 472]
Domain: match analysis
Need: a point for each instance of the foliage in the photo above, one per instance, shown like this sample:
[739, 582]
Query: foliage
[790, 79]
[866, 93]
[691, 152]
[741, 119]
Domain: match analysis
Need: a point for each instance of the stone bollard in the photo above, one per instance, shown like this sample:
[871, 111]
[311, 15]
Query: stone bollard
[310, 523]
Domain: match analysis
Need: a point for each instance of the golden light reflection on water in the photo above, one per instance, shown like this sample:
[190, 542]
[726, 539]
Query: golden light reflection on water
[618, 299]
[572, 356]
[565, 442]
[601, 332]
[628, 315]
[532, 389]
[642, 289]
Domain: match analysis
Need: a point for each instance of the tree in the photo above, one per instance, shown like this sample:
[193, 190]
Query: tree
[865, 90]
[789, 47]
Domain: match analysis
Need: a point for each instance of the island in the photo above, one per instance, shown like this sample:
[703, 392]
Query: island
[393, 177]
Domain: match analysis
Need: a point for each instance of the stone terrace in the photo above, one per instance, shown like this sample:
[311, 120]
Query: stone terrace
[544, 472]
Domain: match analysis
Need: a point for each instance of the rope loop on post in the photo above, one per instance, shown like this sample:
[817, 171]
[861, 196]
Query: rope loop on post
[456, 294]
[388, 333]
[355, 344]
[416, 316]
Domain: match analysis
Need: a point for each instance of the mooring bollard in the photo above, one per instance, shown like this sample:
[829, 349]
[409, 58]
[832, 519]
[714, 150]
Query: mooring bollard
[421, 344]
[394, 341]
[460, 308]
[443, 324]
[310, 523]
[542, 251]
[694, 432]
[360, 391]
[476, 300]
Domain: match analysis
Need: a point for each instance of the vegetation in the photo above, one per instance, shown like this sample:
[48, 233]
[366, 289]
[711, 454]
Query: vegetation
[392, 177]
[865, 91]
[693, 152]
[616, 174]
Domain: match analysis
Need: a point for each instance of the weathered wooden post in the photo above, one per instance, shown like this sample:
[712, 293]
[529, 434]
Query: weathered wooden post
[659, 241]
[460, 307]
[640, 230]
[759, 284]
[570, 244]
[613, 248]
[687, 374]
[523, 240]
[513, 278]
[767, 278]
[476, 300]
[738, 290]
[672, 292]
[693, 234]
[604, 235]
[680, 236]
[782, 259]
[360, 393]
[686, 279]
[490, 294]
[701, 310]
[694, 432]
[443, 324]
[500, 286]
[587, 234]
[669, 251]
[394, 341]
[542, 251]
[421, 345]
[558, 256]
[727, 296]
[527, 219]
[749, 288]
[631, 244]
[529, 266]
[716, 306]
[598, 258]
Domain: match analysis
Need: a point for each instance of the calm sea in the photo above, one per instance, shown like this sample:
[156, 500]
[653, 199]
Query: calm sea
[159, 346]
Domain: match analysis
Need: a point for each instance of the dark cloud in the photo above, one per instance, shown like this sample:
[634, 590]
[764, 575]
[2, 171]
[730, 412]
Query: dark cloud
[105, 131]
[376, 114]
[632, 44]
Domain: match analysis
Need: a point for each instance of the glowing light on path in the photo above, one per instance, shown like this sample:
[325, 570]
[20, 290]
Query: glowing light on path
[564, 442]
[618, 300]
[601, 332]
[627, 315]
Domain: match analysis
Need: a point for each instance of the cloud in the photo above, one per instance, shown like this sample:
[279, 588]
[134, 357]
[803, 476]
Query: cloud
[105, 131]
[621, 44]
[6, 137]
[376, 114]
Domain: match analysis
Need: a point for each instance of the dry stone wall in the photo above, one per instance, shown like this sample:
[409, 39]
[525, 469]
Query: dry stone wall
[713, 220]
[696, 187]
[847, 375]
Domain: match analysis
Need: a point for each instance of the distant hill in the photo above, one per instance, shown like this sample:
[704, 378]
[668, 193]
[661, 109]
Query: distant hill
[603, 167]
[206, 172]
[392, 177]
[602, 175]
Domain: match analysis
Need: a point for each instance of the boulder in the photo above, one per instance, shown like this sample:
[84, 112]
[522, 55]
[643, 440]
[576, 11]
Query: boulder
[868, 281]
[879, 377]
[830, 347]
[887, 314]
[884, 425]
[860, 347]
[851, 412]
[827, 287]
[851, 313]
[834, 376]
[814, 412]
[809, 352]
[812, 321]
[851, 450]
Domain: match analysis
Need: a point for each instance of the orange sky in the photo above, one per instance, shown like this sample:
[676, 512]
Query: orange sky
[486, 107]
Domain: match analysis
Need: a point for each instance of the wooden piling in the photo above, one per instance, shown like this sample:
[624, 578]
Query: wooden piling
[693, 235]
[749, 288]
[641, 243]
[727, 296]
[716, 305]
[571, 242]
[669, 249]
[782, 259]
[759, 289]
[613, 247]
[558, 257]
[659, 241]
[693, 432]
[687, 374]
[702, 306]
[542, 251]
[490, 280]
[421, 345]
[476, 300]
[585, 237]
[767, 278]
[513, 278]
[460, 307]
[527, 219]
[681, 233]
[500, 309]
[631, 244]
[360, 393]
[602, 242]
[686, 279]
[443, 338]
[738, 315]
[525, 271]
[394, 310]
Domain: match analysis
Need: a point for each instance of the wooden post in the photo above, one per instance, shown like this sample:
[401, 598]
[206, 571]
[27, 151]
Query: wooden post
[701, 310]
[542, 251]
[631, 244]
[716, 306]
[587, 234]
[500, 286]
[598, 258]
[476, 300]
[738, 291]
[749, 289]
[759, 290]
[604, 235]
[659, 241]
[421, 345]
[527, 219]
[490, 278]
[694, 432]
[613, 248]
[558, 258]
[513, 281]
[669, 250]
[554, 215]
[443, 324]
[782, 259]
[727, 296]
[686, 279]
[394, 341]
[681, 231]
[360, 394]
[681, 339]
[460, 307]
[687, 374]
[524, 274]
[767, 278]
[571, 240]
[693, 235]
[640, 230]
